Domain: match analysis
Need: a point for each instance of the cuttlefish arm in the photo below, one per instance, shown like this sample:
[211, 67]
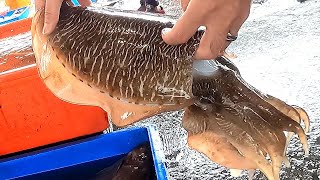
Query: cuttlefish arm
[232, 114]
[223, 141]
[116, 60]
[294, 112]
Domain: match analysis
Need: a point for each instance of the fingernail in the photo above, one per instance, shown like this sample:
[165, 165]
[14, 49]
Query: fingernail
[165, 31]
[45, 30]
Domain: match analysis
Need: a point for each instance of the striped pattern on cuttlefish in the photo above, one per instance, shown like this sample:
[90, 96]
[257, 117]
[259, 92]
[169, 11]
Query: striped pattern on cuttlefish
[118, 61]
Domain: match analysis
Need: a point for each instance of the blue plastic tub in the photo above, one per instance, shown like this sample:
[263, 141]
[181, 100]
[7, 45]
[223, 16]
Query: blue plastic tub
[15, 15]
[84, 158]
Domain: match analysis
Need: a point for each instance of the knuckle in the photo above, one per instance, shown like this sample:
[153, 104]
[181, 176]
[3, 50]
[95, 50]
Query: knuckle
[48, 14]
[206, 53]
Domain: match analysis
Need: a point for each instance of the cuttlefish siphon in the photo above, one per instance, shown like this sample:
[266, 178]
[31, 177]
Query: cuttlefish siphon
[118, 61]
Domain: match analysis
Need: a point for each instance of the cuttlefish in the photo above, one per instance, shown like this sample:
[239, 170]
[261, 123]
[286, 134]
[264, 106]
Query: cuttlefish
[137, 165]
[118, 61]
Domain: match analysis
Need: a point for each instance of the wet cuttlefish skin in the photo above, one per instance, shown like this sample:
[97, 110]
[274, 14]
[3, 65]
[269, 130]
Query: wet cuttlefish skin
[117, 60]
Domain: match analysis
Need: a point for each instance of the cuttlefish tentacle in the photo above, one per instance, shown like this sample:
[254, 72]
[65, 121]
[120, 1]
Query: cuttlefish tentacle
[296, 113]
[276, 147]
[278, 135]
[270, 140]
[247, 109]
[213, 129]
[304, 117]
[269, 113]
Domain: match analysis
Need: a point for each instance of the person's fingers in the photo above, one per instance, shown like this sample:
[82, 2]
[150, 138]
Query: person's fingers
[234, 29]
[184, 28]
[52, 11]
[211, 46]
[184, 4]
[213, 42]
[84, 3]
[39, 4]
[241, 18]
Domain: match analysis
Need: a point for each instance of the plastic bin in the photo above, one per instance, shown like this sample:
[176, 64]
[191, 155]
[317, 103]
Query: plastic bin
[31, 116]
[15, 28]
[82, 159]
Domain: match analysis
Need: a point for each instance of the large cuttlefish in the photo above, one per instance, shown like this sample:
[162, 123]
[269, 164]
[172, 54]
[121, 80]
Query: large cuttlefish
[118, 61]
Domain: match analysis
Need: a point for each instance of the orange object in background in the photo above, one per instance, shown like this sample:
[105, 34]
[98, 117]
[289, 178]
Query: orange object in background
[15, 28]
[15, 4]
[31, 116]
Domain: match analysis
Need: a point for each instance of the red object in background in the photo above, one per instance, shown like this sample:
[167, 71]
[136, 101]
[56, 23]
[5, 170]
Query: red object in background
[15, 28]
[30, 115]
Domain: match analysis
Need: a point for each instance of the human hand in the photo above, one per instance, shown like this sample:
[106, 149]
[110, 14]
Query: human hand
[52, 11]
[220, 17]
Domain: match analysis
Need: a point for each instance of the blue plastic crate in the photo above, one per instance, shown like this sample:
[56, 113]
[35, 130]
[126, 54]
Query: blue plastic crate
[82, 159]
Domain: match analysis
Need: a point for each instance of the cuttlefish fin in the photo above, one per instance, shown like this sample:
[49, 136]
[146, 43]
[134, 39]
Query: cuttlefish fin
[127, 113]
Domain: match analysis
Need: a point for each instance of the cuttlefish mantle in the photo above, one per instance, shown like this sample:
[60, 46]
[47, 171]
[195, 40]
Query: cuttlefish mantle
[118, 63]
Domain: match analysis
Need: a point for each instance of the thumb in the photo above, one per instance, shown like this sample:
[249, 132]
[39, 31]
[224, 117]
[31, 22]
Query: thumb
[52, 11]
[182, 31]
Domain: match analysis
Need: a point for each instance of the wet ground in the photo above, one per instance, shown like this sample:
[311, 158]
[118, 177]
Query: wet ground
[278, 52]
